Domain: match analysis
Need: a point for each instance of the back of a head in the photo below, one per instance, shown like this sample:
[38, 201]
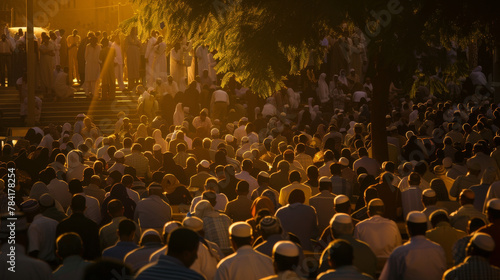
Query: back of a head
[295, 176]
[181, 240]
[69, 244]
[414, 179]
[336, 169]
[115, 207]
[127, 180]
[416, 223]
[78, 203]
[439, 216]
[467, 196]
[126, 227]
[296, 196]
[340, 253]
[75, 186]
[242, 187]
[285, 256]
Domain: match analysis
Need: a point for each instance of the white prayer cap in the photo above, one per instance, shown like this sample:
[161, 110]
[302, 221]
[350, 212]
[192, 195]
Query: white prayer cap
[204, 163]
[119, 154]
[214, 131]
[344, 161]
[341, 218]
[244, 119]
[149, 232]
[286, 249]
[483, 241]
[240, 229]
[170, 226]
[229, 138]
[193, 223]
[409, 134]
[429, 193]
[325, 179]
[376, 202]
[263, 174]
[493, 204]
[156, 147]
[244, 139]
[339, 199]
[46, 200]
[416, 217]
[80, 116]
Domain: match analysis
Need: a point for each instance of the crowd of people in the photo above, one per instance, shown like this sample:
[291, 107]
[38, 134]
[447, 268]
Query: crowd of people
[217, 183]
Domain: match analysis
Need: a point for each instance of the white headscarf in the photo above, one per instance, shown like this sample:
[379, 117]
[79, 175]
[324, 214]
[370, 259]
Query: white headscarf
[293, 98]
[159, 140]
[73, 160]
[323, 92]
[178, 114]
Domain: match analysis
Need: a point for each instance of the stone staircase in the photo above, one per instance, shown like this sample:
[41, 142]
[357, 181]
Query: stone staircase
[103, 113]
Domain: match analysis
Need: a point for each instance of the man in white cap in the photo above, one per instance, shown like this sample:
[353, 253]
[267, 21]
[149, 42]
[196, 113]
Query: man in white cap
[245, 263]
[418, 258]
[342, 228]
[429, 200]
[443, 234]
[208, 253]
[340, 258]
[119, 163]
[181, 254]
[152, 212]
[461, 217]
[476, 265]
[493, 228]
[245, 147]
[323, 202]
[150, 242]
[285, 259]
[380, 233]
[197, 181]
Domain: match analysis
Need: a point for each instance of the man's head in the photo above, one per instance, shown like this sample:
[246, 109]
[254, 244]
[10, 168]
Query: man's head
[481, 244]
[269, 225]
[439, 216]
[493, 210]
[294, 176]
[325, 184]
[126, 230]
[341, 224]
[78, 203]
[242, 188]
[336, 169]
[285, 256]
[296, 196]
[263, 179]
[115, 208]
[429, 197]
[416, 223]
[241, 234]
[376, 207]
[183, 245]
[340, 253]
[342, 204]
[69, 244]
[414, 179]
[467, 196]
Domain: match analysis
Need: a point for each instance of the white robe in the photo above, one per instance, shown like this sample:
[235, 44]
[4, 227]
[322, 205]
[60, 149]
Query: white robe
[323, 92]
[160, 60]
[202, 56]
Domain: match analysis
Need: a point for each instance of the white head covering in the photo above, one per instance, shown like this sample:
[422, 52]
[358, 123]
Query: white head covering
[73, 160]
[323, 92]
[178, 114]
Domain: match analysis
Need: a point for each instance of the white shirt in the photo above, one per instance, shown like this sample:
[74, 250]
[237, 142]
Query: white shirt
[324, 170]
[26, 267]
[102, 152]
[404, 185]
[152, 212]
[139, 257]
[93, 210]
[245, 264]
[220, 96]
[118, 53]
[417, 259]
[357, 95]
[253, 184]
[59, 190]
[42, 237]
[380, 233]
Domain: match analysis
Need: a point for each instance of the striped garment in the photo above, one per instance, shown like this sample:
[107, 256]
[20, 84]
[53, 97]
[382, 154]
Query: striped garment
[170, 268]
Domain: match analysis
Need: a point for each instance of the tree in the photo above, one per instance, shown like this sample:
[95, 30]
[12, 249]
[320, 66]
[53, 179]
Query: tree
[261, 42]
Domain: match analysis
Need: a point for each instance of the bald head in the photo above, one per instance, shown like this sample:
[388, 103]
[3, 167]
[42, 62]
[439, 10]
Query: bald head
[467, 197]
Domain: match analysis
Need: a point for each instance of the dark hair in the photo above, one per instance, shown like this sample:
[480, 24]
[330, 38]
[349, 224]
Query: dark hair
[295, 176]
[126, 227]
[415, 229]
[78, 203]
[69, 244]
[75, 186]
[284, 263]
[181, 240]
[105, 269]
[341, 252]
[296, 195]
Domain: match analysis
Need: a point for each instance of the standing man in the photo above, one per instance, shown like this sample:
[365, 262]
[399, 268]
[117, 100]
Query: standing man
[73, 42]
[419, 258]
[218, 105]
[5, 59]
[118, 61]
[150, 59]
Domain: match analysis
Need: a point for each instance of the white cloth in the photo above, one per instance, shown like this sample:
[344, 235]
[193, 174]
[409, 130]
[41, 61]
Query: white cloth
[239, 133]
[404, 185]
[152, 212]
[149, 55]
[160, 60]
[323, 91]
[25, 268]
[42, 237]
[202, 56]
[245, 264]
[417, 259]
[75, 167]
[252, 182]
[160, 141]
[59, 190]
[380, 233]
[139, 257]
[178, 115]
